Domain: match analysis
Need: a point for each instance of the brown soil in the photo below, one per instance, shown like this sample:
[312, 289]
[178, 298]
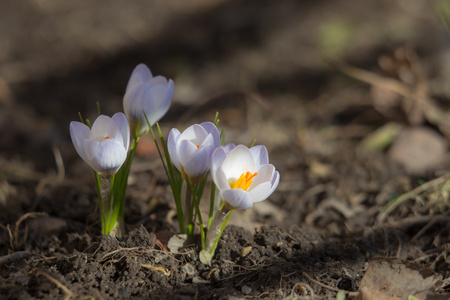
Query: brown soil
[260, 65]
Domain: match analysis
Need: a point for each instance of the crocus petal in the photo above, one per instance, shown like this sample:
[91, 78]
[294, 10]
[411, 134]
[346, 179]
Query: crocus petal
[194, 133]
[212, 129]
[102, 127]
[228, 147]
[197, 164]
[137, 100]
[146, 96]
[167, 99]
[260, 192]
[109, 157]
[238, 198]
[238, 161]
[161, 103]
[157, 81]
[275, 181]
[265, 183]
[260, 154]
[90, 148]
[221, 180]
[122, 123]
[174, 134]
[140, 74]
[265, 174]
[217, 159]
[79, 132]
[192, 149]
[185, 150]
[208, 142]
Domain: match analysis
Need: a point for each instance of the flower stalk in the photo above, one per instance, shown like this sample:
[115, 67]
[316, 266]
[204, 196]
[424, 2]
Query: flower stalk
[216, 228]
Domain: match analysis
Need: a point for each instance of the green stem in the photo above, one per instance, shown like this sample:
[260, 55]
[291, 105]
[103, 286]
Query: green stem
[212, 202]
[172, 175]
[196, 202]
[98, 186]
[216, 229]
[105, 194]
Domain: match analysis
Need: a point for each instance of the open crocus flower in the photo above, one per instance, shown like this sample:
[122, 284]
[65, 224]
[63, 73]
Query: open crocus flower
[243, 176]
[191, 150]
[104, 147]
[148, 94]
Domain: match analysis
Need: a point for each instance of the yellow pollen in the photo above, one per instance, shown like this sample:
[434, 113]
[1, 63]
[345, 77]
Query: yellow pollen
[244, 181]
[106, 137]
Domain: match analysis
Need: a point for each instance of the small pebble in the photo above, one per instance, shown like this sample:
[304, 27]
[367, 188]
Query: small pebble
[245, 251]
[279, 244]
[246, 290]
[189, 269]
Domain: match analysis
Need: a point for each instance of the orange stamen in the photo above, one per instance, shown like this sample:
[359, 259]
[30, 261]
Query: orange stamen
[198, 146]
[106, 137]
[244, 181]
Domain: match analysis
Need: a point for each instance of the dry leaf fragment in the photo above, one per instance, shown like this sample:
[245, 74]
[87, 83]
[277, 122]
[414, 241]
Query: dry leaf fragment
[418, 149]
[159, 269]
[391, 278]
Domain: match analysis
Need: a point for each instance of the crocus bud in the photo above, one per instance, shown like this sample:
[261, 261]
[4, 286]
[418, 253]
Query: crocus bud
[145, 93]
[191, 150]
[103, 147]
[243, 175]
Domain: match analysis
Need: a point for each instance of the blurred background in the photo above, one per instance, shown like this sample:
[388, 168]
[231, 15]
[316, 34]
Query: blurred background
[264, 65]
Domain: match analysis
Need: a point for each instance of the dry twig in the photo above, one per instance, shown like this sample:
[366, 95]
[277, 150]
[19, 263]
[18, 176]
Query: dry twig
[69, 293]
[350, 293]
[14, 235]
[19, 255]
[420, 189]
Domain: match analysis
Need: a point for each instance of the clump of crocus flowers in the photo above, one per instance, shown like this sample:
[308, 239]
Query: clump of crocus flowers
[239, 176]
[105, 146]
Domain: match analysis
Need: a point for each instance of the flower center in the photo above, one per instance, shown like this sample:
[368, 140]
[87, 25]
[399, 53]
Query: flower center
[244, 181]
[198, 146]
[106, 137]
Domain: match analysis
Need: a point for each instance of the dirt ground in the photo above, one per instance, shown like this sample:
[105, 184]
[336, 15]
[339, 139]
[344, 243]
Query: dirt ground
[351, 99]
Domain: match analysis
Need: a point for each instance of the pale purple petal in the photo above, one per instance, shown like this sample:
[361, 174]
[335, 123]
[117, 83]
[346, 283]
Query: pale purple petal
[140, 74]
[238, 161]
[265, 174]
[108, 158]
[79, 132]
[194, 133]
[199, 163]
[275, 181]
[185, 150]
[137, 100]
[220, 180]
[217, 159]
[174, 134]
[161, 103]
[228, 147]
[124, 127]
[157, 81]
[103, 126]
[237, 198]
[260, 154]
[149, 95]
[167, 99]
[90, 148]
[260, 192]
[212, 129]
[208, 142]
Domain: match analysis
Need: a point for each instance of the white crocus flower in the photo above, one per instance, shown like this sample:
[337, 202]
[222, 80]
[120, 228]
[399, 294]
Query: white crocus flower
[243, 176]
[103, 147]
[191, 150]
[145, 93]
